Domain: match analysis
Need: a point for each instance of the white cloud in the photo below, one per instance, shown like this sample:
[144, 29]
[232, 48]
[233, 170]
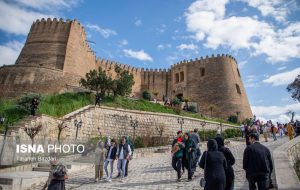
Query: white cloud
[138, 23]
[283, 78]
[187, 47]
[276, 113]
[105, 32]
[123, 42]
[279, 9]
[9, 52]
[49, 5]
[16, 16]
[163, 46]
[17, 20]
[162, 28]
[281, 68]
[242, 64]
[140, 55]
[206, 19]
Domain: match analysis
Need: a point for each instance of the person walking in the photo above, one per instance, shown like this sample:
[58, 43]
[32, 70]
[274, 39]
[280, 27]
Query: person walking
[273, 131]
[230, 162]
[177, 154]
[100, 153]
[110, 158]
[130, 143]
[123, 153]
[58, 174]
[257, 163]
[189, 155]
[195, 137]
[214, 164]
[290, 130]
[265, 132]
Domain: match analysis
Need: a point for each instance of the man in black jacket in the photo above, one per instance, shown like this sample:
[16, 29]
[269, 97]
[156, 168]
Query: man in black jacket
[257, 162]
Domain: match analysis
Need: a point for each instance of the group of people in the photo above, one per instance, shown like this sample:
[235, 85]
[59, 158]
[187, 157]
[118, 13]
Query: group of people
[218, 161]
[269, 129]
[107, 152]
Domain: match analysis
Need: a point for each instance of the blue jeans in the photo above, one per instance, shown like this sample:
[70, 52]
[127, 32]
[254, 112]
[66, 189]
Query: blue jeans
[122, 166]
[274, 136]
[111, 168]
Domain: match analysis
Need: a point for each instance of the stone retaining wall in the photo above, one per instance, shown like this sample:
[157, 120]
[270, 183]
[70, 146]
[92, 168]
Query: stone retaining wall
[285, 158]
[113, 122]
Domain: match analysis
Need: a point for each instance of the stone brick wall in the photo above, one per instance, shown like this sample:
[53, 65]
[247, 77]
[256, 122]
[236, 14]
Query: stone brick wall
[285, 158]
[115, 123]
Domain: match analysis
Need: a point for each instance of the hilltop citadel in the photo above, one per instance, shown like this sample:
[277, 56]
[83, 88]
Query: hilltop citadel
[56, 55]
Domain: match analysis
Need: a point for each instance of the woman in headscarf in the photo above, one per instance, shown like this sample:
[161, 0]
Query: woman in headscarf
[214, 164]
[58, 174]
[189, 155]
[230, 161]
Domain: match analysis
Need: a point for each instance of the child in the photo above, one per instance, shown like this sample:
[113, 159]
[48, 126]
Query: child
[176, 145]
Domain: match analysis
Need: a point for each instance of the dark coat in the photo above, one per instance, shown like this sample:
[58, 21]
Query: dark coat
[257, 160]
[189, 157]
[215, 167]
[230, 161]
[113, 153]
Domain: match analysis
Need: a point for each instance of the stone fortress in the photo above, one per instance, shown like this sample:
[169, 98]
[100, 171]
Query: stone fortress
[56, 55]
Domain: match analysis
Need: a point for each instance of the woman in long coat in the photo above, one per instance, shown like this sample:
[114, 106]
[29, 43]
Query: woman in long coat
[189, 155]
[215, 167]
[230, 161]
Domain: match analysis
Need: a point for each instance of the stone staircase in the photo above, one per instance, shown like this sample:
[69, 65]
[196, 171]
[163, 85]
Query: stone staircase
[26, 121]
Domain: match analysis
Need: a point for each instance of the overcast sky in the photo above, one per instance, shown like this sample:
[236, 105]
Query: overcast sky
[263, 35]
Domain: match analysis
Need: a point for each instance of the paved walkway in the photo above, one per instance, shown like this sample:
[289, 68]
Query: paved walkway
[155, 172]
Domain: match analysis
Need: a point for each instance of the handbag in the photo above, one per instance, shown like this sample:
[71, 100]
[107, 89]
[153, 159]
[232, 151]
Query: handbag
[202, 180]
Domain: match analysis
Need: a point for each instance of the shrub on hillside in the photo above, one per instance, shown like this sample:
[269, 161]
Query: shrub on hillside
[176, 101]
[207, 134]
[231, 133]
[24, 103]
[146, 95]
[233, 119]
[192, 108]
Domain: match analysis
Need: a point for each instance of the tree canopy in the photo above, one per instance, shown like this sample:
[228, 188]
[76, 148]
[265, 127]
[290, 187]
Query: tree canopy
[103, 83]
[294, 88]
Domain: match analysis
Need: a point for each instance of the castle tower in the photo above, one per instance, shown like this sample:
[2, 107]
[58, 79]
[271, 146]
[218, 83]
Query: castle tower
[214, 83]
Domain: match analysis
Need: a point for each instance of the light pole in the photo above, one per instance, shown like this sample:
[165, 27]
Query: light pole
[134, 123]
[181, 122]
[77, 124]
[203, 123]
[2, 122]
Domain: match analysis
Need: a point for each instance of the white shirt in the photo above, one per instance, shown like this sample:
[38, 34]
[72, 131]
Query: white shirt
[121, 154]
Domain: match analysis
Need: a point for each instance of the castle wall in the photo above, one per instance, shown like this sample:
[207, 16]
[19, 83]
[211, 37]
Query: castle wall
[46, 44]
[56, 55]
[80, 58]
[155, 81]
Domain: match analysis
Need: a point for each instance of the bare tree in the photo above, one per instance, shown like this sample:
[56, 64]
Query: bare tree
[292, 114]
[160, 129]
[61, 126]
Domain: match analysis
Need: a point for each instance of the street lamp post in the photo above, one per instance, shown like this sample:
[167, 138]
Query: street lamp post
[181, 122]
[203, 123]
[134, 123]
[77, 124]
[2, 122]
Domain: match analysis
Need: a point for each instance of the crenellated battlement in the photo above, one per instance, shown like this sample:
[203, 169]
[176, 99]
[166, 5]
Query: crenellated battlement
[204, 60]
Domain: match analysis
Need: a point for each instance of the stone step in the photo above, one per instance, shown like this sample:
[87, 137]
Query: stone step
[43, 164]
[41, 169]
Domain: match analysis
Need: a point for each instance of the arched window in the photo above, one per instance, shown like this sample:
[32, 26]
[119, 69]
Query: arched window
[238, 89]
[202, 72]
[181, 76]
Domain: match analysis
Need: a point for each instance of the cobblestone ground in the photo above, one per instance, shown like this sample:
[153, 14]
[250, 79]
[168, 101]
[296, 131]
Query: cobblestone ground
[155, 172]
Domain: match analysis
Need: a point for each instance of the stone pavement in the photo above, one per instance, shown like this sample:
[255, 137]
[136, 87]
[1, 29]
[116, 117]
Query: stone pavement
[155, 172]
